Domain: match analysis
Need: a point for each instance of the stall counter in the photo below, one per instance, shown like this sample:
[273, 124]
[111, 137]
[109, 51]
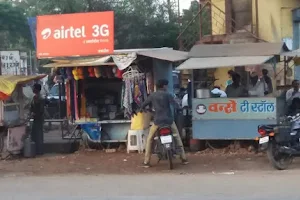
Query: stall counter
[111, 130]
[231, 118]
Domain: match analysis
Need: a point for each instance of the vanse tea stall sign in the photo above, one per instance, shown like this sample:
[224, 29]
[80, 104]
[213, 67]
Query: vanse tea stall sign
[79, 34]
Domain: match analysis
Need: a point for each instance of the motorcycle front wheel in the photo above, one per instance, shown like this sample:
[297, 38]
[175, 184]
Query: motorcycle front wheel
[279, 160]
[170, 159]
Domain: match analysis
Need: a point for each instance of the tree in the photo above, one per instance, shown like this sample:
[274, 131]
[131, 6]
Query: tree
[14, 31]
[138, 23]
[144, 24]
[191, 25]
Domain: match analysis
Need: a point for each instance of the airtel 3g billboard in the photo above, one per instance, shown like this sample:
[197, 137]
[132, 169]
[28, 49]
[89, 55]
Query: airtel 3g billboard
[79, 34]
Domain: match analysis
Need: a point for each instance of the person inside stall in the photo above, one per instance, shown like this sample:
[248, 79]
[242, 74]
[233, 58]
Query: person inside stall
[161, 102]
[37, 113]
[230, 74]
[294, 108]
[236, 89]
[268, 81]
[257, 86]
[217, 92]
[292, 93]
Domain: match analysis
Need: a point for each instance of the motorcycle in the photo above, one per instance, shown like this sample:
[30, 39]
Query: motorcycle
[281, 141]
[164, 145]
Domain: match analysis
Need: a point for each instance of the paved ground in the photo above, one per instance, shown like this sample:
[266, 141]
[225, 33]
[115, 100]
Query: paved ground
[267, 185]
[91, 175]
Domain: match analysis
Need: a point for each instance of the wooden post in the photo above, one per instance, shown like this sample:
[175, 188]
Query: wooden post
[200, 21]
[228, 16]
[256, 19]
[285, 69]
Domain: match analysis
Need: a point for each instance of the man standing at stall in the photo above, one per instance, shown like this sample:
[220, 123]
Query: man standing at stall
[268, 81]
[37, 112]
[292, 93]
[236, 89]
[161, 102]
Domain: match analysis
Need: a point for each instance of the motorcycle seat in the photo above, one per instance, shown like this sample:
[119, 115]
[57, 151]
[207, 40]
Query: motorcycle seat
[268, 127]
[162, 127]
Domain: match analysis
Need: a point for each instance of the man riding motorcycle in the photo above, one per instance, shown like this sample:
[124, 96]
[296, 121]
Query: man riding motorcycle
[161, 101]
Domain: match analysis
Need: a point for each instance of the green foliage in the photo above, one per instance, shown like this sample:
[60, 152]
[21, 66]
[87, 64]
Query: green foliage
[14, 31]
[138, 23]
[191, 25]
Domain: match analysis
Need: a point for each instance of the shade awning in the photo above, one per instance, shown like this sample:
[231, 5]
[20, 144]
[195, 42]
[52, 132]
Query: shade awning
[121, 58]
[294, 53]
[80, 62]
[217, 62]
[232, 50]
[8, 83]
[165, 54]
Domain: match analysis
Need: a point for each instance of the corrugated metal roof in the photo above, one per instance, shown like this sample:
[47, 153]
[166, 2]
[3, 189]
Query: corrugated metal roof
[165, 54]
[116, 52]
[80, 62]
[245, 49]
[217, 62]
[294, 53]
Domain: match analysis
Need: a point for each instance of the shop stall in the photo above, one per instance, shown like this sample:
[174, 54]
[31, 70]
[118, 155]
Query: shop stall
[231, 118]
[13, 112]
[103, 93]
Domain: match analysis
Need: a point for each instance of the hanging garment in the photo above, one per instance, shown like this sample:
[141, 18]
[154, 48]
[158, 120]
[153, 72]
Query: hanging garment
[102, 72]
[75, 74]
[109, 72]
[85, 71]
[80, 73]
[149, 83]
[143, 89]
[91, 72]
[119, 73]
[122, 95]
[97, 72]
[128, 99]
[137, 93]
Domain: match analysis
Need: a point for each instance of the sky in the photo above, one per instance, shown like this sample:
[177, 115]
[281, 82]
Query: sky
[184, 4]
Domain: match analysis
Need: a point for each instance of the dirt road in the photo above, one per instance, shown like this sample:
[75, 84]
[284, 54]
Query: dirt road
[86, 162]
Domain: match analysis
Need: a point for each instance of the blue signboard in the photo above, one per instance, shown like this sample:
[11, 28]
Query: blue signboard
[236, 109]
[231, 118]
[32, 26]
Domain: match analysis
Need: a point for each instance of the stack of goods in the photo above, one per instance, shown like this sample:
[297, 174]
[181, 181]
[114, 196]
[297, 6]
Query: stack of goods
[105, 108]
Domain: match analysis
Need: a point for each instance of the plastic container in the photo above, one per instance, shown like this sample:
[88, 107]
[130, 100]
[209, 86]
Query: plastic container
[29, 148]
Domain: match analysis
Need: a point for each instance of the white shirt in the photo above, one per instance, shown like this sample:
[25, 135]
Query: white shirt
[184, 101]
[220, 92]
[258, 90]
[289, 94]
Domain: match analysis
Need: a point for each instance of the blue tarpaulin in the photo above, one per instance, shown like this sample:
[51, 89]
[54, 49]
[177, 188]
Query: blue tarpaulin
[32, 26]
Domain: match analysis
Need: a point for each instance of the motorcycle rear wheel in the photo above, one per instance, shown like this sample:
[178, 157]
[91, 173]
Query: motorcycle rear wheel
[278, 160]
[170, 159]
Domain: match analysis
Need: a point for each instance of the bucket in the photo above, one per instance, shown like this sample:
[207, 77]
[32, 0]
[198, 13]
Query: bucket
[194, 145]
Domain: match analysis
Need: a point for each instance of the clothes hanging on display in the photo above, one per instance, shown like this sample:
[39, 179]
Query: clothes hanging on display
[128, 100]
[135, 93]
